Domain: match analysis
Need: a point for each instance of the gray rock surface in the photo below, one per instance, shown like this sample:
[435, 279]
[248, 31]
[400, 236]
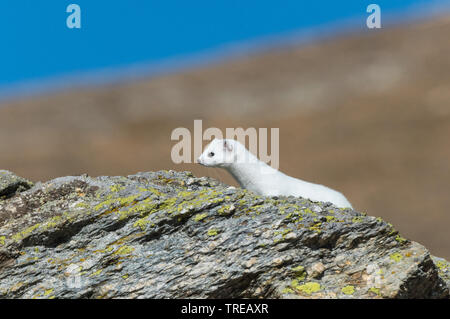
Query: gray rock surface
[169, 234]
[10, 184]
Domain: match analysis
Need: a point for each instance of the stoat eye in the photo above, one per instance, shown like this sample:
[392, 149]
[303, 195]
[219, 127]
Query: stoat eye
[211, 154]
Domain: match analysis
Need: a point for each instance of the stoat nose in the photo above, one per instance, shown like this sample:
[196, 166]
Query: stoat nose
[199, 160]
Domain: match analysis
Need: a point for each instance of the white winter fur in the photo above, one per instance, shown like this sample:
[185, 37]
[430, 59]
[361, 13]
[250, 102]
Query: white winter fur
[261, 178]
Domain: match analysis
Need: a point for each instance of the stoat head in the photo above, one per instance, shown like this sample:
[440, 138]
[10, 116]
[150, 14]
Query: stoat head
[219, 153]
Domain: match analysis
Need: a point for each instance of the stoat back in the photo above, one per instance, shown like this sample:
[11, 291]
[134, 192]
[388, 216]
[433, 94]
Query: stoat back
[257, 176]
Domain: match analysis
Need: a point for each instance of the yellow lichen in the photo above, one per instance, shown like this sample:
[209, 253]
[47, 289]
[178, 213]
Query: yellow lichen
[225, 210]
[357, 219]
[375, 291]
[48, 292]
[98, 272]
[82, 205]
[442, 265]
[396, 257]
[124, 250]
[309, 287]
[20, 235]
[400, 239]
[316, 227]
[142, 223]
[299, 272]
[116, 202]
[287, 290]
[116, 188]
[212, 232]
[200, 217]
[330, 218]
[348, 290]
[52, 222]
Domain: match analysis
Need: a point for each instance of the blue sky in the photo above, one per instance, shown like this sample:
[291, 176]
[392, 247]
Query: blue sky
[36, 43]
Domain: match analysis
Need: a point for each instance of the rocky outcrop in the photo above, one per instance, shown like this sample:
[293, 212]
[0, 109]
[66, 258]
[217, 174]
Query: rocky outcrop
[10, 184]
[169, 234]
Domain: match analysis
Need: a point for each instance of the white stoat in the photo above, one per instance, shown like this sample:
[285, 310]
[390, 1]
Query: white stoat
[262, 179]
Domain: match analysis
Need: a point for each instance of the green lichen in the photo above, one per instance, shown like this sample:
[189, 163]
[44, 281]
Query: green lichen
[396, 257]
[98, 272]
[299, 272]
[116, 203]
[186, 194]
[316, 227]
[143, 208]
[116, 188]
[2, 240]
[225, 210]
[153, 190]
[20, 235]
[256, 209]
[200, 200]
[393, 230]
[357, 219]
[287, 290]
[212, 232]
[48, 292]
[82, 205]
[200, 217]
[375, 291]
[294, 284]
[309, 288]
[124, 250]
[400, 239]
[54, 221]
[348, 290]
[141, 223]
[309, 211]
[443, 266]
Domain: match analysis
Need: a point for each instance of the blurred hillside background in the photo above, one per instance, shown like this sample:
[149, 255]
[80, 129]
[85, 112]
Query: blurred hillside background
[366, 112]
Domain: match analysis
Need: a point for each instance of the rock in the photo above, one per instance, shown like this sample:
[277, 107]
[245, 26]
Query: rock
[316, 270]
[10, 184]
[169, 234]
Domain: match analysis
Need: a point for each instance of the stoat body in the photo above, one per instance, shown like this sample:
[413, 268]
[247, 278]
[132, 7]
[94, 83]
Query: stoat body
[257, 176]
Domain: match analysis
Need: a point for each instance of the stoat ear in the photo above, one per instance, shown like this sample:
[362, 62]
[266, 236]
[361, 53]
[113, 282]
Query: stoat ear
[227, 146]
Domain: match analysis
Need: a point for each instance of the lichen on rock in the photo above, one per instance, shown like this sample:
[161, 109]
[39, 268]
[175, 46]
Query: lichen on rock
[169, 234]
[10, 184]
